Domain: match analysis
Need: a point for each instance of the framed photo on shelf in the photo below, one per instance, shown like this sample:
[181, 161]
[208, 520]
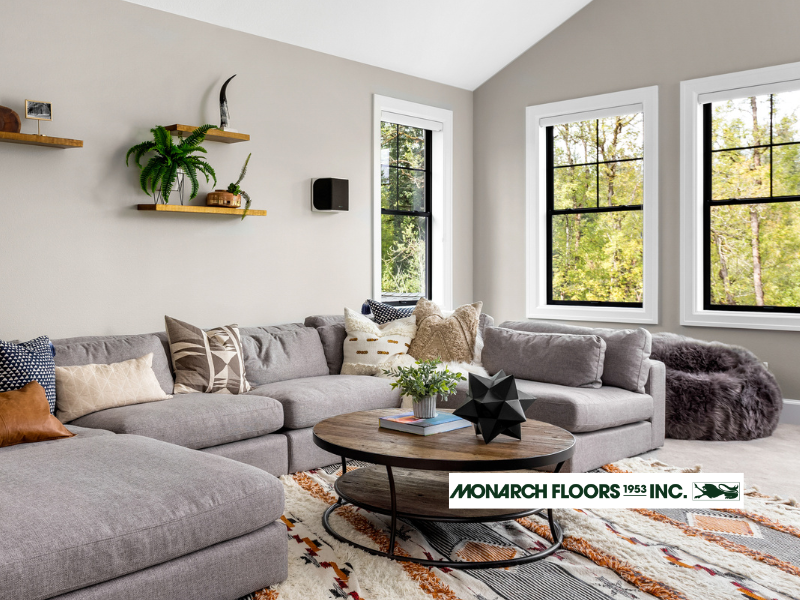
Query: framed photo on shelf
[39, 111]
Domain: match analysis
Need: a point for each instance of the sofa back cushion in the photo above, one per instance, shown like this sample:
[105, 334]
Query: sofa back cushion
[105, 350]
[283, 352]
[564, 359]
[627, 350]
[332, 337]
[317, 321]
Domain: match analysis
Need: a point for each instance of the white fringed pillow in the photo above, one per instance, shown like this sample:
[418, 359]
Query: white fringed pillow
[85, 389]
[368, 345]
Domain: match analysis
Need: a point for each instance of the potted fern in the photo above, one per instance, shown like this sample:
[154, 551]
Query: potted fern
[171, 163]
[424, 382]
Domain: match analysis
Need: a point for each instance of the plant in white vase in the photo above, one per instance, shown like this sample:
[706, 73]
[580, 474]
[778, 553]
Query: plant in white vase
[424, 382]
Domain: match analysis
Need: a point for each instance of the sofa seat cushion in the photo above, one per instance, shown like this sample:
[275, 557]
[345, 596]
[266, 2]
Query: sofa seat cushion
[578, 410]
[310, 400]
[585, 409]
[193, 420]
[88, 510]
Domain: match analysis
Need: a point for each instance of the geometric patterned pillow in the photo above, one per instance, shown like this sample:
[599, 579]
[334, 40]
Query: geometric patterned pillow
[386, 312]
[206, 361]
[22, 363]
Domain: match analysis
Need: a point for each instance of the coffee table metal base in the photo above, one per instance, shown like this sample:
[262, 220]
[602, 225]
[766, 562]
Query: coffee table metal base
[367, 479]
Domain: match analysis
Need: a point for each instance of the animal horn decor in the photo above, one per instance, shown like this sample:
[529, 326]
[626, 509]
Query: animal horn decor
[224, 113]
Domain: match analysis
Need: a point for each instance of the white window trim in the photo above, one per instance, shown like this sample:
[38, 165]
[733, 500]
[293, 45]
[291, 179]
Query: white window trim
[442, 192]
[536, 206]
[722, 86]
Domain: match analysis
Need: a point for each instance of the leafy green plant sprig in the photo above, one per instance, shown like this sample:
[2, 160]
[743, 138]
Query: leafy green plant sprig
[425, 379]
[162, 169]
[236, 190]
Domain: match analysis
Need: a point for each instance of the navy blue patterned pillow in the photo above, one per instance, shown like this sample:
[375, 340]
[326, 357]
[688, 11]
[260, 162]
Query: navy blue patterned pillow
[384, 313]
[22, 363]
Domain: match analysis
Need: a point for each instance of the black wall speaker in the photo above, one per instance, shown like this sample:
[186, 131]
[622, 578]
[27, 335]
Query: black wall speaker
[330, 195]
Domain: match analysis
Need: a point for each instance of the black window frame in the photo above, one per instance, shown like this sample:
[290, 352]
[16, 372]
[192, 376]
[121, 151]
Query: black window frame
[426, 214]
[709, 202]
[550, 168]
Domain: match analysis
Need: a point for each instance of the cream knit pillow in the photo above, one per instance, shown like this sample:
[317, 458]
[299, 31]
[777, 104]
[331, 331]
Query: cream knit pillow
[368, 345]
[85, 389]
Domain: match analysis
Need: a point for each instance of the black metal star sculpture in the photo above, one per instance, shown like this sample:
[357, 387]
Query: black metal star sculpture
[494, 406]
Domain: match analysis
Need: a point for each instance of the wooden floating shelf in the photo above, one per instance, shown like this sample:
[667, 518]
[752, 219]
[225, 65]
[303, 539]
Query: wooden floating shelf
[214, 135]
[39, 140]
[208, 210]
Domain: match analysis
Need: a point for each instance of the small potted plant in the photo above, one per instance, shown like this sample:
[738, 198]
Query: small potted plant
[171, 163]
[233, 195]
[424, 382]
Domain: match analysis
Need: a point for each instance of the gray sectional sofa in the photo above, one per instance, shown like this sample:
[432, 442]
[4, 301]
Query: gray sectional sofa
[145, 503]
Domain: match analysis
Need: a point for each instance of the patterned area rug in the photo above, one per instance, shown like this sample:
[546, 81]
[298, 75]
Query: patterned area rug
[607, 554]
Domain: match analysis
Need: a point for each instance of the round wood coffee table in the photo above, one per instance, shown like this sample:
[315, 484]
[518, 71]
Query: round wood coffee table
[421, 465]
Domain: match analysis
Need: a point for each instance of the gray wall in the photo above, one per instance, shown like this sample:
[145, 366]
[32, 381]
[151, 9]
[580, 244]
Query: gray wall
[614, 45]
[76, 258]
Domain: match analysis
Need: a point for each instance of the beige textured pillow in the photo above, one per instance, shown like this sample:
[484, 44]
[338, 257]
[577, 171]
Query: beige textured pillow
[86, 389]
[369, 347]
[452, 338]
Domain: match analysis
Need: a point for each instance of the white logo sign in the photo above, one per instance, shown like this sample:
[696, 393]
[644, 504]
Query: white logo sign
[596, 490]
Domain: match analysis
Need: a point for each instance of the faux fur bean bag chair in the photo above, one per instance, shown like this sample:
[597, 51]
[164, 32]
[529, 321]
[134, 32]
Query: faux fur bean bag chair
[716, 391]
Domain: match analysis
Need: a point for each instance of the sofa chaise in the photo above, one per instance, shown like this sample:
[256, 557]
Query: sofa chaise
[100, 516]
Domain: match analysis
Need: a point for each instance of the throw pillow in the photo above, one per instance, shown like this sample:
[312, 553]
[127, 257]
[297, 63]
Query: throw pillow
[452, 338]
[26, 362]
[25, 417]
[86, 389]
[560, 358]
[627, 353]
[206, 361]
[368, 345]
[384, 313]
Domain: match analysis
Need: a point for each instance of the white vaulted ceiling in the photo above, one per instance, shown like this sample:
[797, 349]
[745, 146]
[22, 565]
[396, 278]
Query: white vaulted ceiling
[457, 42]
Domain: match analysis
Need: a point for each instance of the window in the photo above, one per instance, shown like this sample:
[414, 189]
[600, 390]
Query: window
[406, 179]
[751, 201]
[592, 208]
[412, 226]
[740, 199]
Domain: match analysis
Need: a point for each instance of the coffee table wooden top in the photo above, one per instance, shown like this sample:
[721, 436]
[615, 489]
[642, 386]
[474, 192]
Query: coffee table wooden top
[358, 436]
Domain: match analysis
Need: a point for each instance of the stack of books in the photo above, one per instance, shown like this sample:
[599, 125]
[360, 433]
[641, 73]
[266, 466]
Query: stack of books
[408, 423]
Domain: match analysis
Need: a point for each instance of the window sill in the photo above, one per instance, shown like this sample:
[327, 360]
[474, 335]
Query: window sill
[740, 320]
[605, 314]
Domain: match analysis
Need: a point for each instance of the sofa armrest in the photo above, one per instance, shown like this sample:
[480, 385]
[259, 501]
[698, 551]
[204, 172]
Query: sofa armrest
[656, 387]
